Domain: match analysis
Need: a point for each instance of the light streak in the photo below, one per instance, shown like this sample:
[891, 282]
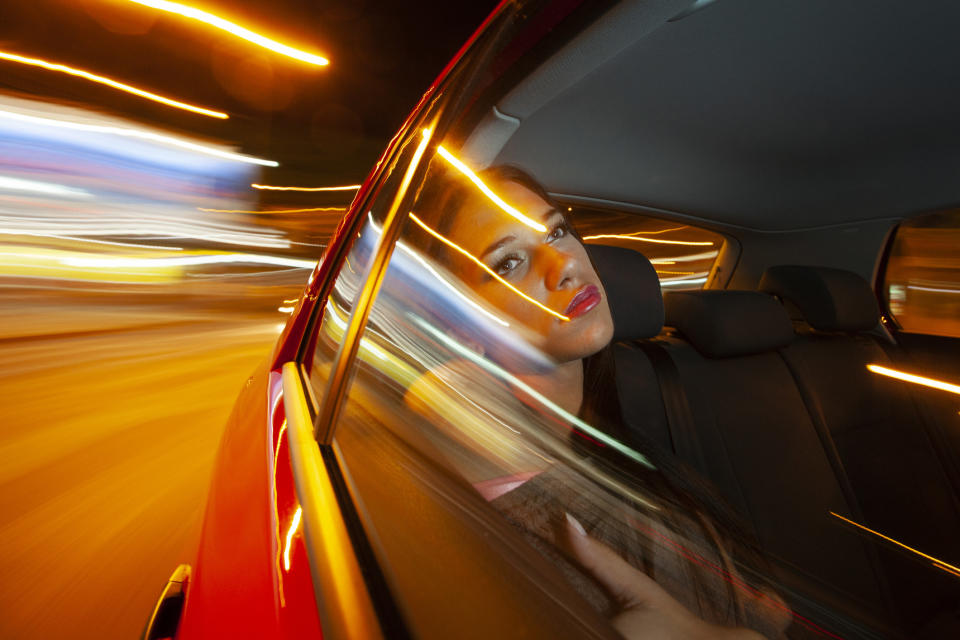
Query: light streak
[615, 236]
[86, 75]
[234, 29]
[294, 301]
[183, 261]
[676, 273]
[269, 187]
[271, 210]
[693, 257]
[933, 289]
[285, 309]
[915, 379]
[653, 233]
[142, 134]
[276, 514]
[294, 525]
[503, 374]
[490, 271]
[158, 229]
[487, 191]
[446, 283]
[35, 186]
[680, 283]
[940, 564]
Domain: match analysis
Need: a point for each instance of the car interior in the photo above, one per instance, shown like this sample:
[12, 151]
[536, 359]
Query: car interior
[765, 190]
[803, 134]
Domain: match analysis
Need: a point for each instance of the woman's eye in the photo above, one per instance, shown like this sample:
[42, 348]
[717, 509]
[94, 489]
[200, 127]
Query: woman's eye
[557, 232]
[507, 265]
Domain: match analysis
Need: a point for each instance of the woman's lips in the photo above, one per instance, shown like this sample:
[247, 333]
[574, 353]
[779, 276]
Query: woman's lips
[586, 299]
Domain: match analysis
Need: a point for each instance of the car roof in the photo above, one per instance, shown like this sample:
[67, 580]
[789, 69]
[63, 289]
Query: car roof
[751, 114]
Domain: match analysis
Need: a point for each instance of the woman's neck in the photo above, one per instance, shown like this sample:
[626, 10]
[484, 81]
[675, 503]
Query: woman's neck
[563, 385]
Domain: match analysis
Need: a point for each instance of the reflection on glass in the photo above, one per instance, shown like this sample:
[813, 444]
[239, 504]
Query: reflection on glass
[521, 414]
[922, 280]
[665, 243]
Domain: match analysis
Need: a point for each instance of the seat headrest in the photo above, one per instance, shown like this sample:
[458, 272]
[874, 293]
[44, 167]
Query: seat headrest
[724, 324]
[633, 291]
[829, 299]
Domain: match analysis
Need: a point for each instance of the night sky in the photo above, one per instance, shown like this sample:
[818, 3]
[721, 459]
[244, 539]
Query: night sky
[323, 124]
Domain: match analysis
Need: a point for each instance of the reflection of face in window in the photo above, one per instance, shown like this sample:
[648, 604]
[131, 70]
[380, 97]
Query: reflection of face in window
[550, 267]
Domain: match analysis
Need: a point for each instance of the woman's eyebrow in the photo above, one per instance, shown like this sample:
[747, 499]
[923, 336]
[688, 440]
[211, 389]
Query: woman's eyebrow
[497, 245]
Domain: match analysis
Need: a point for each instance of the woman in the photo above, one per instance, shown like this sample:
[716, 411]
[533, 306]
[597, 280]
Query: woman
[656, 564]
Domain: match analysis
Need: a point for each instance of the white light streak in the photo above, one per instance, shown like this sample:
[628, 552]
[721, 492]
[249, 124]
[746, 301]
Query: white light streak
[35, 186]
[141, 134]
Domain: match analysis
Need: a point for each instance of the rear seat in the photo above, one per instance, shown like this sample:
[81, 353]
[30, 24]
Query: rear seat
[772, 463]
[875, 431]
[758, 443]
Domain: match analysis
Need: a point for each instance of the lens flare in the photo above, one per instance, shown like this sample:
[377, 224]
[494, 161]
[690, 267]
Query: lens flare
[233, 29]
[86, 75]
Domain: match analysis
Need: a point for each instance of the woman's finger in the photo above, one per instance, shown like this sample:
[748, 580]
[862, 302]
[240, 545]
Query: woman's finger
[631, 586]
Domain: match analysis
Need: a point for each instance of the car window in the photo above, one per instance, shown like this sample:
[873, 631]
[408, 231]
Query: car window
[922, 278]
[682, 254]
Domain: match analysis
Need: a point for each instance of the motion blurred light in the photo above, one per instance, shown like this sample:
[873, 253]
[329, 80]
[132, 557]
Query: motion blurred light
[86, 75]
[234, 29]
[268, 187]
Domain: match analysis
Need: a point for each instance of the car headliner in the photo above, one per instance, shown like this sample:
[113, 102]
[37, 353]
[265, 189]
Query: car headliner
[750, 113]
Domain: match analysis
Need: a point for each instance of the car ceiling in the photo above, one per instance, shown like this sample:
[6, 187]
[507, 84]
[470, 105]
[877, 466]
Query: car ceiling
[764, 114]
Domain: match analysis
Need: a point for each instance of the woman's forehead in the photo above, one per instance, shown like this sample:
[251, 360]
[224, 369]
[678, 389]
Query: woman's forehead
[480, 221]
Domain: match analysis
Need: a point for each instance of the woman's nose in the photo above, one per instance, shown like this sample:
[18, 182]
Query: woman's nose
[561, 272]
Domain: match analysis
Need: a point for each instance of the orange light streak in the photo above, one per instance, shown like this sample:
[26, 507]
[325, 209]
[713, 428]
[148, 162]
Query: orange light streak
[653, 233]
[616, 236]
[294, 525]
[276, 514]
[915, 379]
[272, 210]
[270, 187]
[677, 273]
[487, 191]
[233, 29]
[480, 264]
[92, 77]
[940, 564]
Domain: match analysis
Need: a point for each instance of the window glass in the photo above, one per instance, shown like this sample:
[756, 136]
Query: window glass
[336, 312]
[681, 253]
[922, 280]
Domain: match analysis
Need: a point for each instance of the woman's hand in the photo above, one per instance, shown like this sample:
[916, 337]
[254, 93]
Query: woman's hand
[647, 611]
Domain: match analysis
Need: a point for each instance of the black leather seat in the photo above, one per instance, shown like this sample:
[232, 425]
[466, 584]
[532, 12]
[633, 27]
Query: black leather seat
[895, 478]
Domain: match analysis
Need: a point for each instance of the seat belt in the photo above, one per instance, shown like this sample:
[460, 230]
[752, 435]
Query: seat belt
[683, 433]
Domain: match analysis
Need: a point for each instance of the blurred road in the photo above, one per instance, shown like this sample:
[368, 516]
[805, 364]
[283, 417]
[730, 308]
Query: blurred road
[112, 412]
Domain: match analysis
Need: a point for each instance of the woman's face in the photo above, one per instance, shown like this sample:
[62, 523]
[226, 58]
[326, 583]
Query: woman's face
[550, 267]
